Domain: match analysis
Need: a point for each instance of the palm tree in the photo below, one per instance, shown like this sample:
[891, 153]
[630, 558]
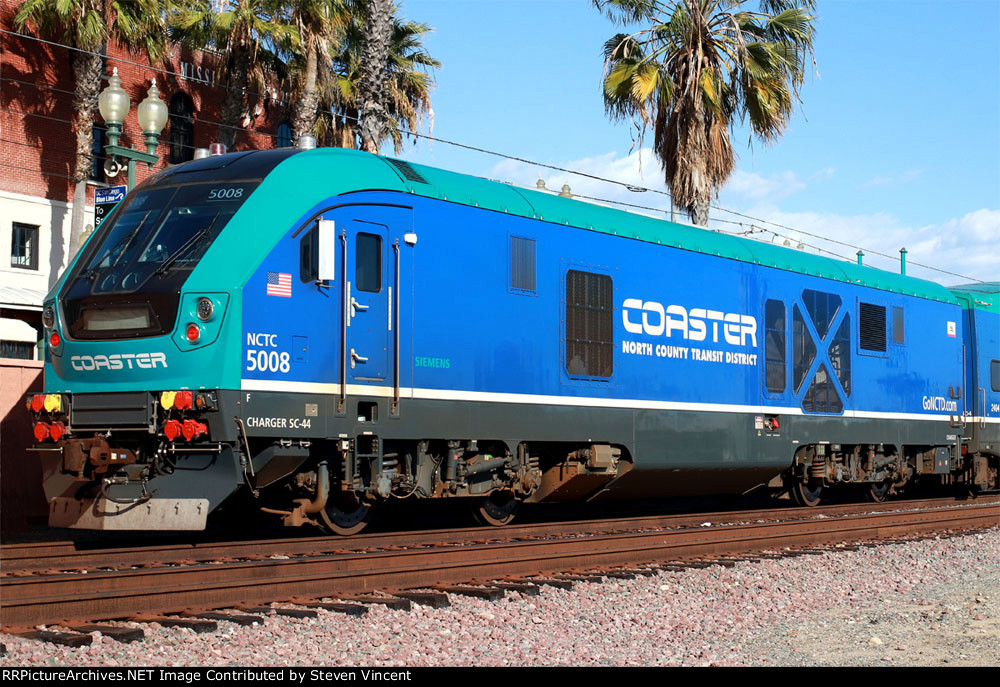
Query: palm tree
[406, 87]
[702, 67]
[90, 25]
[249, 34]
[378, 31]
[318, 23]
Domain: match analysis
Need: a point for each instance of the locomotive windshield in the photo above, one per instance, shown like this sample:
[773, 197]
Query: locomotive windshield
[127, 283]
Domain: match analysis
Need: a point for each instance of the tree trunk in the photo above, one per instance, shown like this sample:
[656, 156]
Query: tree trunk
[374, 69]
[698, 210]
[304, 118]
[87, 70]
[232, 105]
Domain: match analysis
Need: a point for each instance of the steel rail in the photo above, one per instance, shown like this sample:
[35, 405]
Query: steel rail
[31, 601]
[21, 559]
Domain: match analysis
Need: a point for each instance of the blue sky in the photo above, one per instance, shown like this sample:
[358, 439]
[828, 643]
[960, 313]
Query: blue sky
[896, 142]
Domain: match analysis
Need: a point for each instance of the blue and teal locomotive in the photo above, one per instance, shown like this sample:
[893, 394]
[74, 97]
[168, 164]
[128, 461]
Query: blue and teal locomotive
[323, 330]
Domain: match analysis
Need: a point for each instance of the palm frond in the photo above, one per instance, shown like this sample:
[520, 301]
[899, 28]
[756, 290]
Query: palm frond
[698, 69]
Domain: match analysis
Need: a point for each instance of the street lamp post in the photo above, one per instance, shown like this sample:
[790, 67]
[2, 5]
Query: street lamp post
[114, 105]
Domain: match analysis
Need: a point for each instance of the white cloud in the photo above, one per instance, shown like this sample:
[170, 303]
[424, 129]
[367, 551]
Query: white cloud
[892, 180]
[755, 187]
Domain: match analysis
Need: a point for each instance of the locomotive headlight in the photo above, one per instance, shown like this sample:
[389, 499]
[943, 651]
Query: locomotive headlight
[205, 309]
[49, 317]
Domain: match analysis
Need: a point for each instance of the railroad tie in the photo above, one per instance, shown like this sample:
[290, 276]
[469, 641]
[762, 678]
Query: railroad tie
[299, 613]
[348, 609]
[552, 582]
[488, 593]
[194, 624]
[237, 618]
[521, 587]
[581, 578]
[69, 639]
[432, 599]
[616, 575]
[393, 602]
[119, 634]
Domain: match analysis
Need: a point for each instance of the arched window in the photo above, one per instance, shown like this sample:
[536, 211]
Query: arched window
[284, 135]
[181, 128]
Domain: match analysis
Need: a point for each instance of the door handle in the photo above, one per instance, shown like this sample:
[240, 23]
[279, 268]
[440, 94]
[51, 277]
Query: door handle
[355, 307]
[355, 358]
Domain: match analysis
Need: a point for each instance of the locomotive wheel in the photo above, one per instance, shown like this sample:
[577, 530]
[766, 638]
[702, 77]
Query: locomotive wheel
[497, 509]
[877, 492]
[806, 494]
[345, 516]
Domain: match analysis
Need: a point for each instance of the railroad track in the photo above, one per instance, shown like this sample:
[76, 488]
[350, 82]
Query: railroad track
[248, 574]
[30, 558]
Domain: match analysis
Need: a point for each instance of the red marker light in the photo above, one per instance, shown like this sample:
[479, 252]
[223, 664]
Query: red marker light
[56, 430]
[41, 431]
[183, 400]
[54, 340]
[193, 333]
[172, 429]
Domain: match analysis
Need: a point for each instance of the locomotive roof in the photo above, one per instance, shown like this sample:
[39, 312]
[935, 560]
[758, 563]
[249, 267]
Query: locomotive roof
[567, 211]
[315, 174]
[982, 296]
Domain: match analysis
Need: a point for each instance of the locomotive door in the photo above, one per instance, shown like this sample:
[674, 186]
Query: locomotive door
[369, 294]
[985, 391]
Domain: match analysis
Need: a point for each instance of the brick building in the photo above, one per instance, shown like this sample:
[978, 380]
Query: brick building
[37, 154]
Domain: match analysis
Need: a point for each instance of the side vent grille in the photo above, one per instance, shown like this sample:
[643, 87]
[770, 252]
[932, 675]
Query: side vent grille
[872, 327]
[406, 170]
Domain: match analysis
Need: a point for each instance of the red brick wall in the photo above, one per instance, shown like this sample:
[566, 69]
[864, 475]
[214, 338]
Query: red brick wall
[37, 140]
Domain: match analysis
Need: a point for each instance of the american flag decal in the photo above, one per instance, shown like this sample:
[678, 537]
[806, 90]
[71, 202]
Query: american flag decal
[279, 284]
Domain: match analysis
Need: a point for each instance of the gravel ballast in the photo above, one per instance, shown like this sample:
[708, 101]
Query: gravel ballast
[929, 602]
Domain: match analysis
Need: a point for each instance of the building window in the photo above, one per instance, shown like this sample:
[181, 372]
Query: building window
[181, 128]
[522, 264]
[24, 246]
[774, 346]
[284, 139]
[589, 324]
[97, 163]
[21, 350]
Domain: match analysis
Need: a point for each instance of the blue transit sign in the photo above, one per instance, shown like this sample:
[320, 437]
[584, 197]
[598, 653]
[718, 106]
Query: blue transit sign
[105, 200]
